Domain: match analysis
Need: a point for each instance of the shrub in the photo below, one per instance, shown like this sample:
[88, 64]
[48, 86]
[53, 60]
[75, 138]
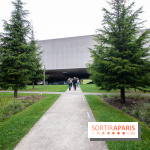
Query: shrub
[9, 107]
[136, 111]
[15, 106]
[143, 112]
[115, 96]
[30, 102]
[104, 95]
[126, 109]
[139, 97]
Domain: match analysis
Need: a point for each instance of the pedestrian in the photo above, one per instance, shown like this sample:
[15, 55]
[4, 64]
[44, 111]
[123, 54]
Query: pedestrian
[74, 81]
[69, 81]
[78, 82]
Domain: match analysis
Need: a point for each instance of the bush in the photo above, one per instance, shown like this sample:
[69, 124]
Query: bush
[104, 95]
[145, 114]
[139, 97]
[15, 107]
[136, 111]
[30, 102]
[142, 112]
[115, 96]
[9, 108]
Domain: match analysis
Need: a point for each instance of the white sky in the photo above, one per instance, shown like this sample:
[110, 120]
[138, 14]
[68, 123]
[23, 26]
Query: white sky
[66, 18]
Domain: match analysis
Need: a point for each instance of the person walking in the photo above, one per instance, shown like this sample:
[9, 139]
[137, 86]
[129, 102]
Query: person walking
[78, 82]
[74, 81]
[69, 81]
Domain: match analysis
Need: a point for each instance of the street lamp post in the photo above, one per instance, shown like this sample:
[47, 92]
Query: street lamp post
[44, 77]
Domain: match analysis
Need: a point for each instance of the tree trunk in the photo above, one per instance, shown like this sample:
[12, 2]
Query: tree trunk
[122, 95]
[33, 84]
[15, 93]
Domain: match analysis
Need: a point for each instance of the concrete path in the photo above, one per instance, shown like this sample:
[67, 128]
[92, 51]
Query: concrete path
[63, 127]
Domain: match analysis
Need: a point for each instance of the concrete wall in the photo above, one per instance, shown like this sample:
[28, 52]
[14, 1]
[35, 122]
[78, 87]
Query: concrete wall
[66, 53]
[67, 57]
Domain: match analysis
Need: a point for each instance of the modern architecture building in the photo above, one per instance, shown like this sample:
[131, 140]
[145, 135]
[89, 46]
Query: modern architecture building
[66, 57]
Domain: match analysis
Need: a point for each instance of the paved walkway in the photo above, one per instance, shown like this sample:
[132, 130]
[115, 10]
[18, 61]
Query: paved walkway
[63, 127]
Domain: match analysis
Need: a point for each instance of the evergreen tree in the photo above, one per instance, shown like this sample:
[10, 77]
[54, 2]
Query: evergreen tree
[15, 51]
[120, 58]
[36, 71]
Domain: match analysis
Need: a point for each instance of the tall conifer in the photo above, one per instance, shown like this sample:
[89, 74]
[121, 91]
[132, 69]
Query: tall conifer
[121, 57]
[36, 71]
[15, 51]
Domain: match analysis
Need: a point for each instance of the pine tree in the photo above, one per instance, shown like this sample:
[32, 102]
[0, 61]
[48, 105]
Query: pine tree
[15, 51]
[120, 58]
[36, 71]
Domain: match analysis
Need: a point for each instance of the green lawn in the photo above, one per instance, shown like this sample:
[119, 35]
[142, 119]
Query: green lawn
[104, 112]
[86, 81]
[7, 94]
[48, 88]
[93, 88]
[16, 127]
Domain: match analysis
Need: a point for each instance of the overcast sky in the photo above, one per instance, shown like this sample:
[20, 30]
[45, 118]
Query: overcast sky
[66, 18]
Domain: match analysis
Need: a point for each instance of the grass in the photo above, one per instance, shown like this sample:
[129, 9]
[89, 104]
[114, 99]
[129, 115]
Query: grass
[48, 88]
[138, 106]
[92, 88]
[13, 129]
[10, 105]
[11, 95]
[104, 112]
[8, 94]
[85, 81]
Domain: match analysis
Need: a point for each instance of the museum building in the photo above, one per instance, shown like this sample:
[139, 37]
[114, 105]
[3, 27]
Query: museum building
[66, 57]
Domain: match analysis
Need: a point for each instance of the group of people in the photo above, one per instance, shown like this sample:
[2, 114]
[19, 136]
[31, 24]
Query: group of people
[75, 82]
